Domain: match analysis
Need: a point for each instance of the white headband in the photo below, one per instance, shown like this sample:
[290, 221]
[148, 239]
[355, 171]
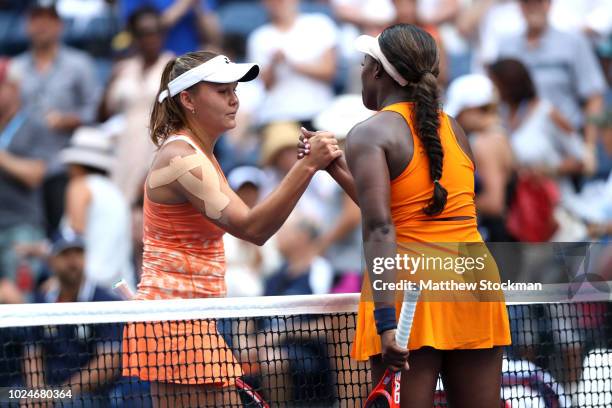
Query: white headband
[218, 69]
[369, 45]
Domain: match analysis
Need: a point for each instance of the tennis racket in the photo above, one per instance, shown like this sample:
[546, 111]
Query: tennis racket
[380, 397]
[250, 398]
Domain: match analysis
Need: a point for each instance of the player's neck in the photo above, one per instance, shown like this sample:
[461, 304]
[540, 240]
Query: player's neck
[394, 98]
[205, 139]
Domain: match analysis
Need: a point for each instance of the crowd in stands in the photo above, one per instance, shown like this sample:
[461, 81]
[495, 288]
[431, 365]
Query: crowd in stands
[531, 92]
[528, 80]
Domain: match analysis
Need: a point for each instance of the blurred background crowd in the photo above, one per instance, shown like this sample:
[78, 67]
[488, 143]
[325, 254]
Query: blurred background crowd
[528, 80]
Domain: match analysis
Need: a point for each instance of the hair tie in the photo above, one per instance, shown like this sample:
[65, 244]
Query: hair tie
[436, 181]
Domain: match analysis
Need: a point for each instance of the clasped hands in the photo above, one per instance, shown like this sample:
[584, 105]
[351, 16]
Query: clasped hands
[313, 142]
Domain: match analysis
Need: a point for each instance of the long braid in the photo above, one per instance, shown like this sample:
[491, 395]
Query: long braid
[413, 52]
[427, 123]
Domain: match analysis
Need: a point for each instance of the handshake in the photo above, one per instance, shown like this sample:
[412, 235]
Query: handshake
[320, 148]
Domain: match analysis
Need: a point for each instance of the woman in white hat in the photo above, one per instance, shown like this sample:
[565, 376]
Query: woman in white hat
[96, 208]
[473, 101]
[188, 206]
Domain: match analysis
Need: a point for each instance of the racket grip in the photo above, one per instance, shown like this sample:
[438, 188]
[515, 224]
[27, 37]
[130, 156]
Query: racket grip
[123, 290]
[404, 325]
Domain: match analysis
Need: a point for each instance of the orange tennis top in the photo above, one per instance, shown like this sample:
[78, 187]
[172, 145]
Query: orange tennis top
[442, 325]
[183, 258]
[183, 253]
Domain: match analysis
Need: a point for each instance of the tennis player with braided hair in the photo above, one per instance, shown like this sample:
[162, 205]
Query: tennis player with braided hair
[188, 206]
[412, 173]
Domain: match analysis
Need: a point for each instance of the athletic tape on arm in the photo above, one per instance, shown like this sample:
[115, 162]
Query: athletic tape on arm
[208, 189]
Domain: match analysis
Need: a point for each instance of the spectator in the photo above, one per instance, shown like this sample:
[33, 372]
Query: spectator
[190, 24]
[357, 17]
[604, 144]
[297, 353]
[473, 100]
[278, 155]
[25, 148]
[82, 358]
[248, 264]
[484, 24]
[594, 203]
[9, 292]
[298, 57]
[437, 12]
[549, 154]
[590, 17]
[58, 84]
[131, 92]
[341, 243]
[297, 236]
[367, 16]
[96, 209]
[563, 65]
[541, 138]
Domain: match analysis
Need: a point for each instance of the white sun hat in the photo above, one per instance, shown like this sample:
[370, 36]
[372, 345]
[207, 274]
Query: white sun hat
[218, 70]
[246, 174]
[339, 118]
[90, 146]
[469, 91]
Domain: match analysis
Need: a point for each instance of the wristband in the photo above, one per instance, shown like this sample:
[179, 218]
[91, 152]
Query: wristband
[385, 319]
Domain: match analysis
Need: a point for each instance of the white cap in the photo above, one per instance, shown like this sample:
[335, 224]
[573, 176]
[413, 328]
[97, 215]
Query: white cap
[245, 174]
[345, 112]
[91, 147]
[218, 69]
[369, 45]
[469, 91]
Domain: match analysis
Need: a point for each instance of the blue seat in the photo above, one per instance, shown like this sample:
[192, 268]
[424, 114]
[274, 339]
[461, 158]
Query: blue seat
[244, 17]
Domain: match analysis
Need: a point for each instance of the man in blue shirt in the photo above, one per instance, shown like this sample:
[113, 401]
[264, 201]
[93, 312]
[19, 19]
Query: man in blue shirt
[60, 86]
[563, 65]
[190, 24]
[84, 358]
[25, 151]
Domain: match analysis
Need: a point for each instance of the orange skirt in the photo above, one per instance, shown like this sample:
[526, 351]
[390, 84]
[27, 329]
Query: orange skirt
[180, 352]
[441, 325]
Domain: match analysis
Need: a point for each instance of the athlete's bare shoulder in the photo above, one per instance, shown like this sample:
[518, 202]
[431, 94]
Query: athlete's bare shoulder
[381, 129]
[168, 151]
[461, 137]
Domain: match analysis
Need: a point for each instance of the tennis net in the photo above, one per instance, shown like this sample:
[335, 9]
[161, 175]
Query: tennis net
[288, 351]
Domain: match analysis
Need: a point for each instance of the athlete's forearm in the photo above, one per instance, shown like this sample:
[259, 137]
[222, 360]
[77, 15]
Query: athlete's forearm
[340, 172]
[379, 245]
[267, 217]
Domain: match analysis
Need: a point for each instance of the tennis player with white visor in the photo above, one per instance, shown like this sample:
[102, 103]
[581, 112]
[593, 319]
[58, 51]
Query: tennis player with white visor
[416, 189]
[188, 206]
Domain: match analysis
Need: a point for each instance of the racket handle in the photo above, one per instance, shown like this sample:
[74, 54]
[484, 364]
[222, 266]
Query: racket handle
[404, 325]
[123, 290]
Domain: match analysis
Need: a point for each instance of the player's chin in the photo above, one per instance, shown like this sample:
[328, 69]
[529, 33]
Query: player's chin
[229, 122]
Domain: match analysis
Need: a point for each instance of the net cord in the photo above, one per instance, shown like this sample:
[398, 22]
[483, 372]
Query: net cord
[219, 308]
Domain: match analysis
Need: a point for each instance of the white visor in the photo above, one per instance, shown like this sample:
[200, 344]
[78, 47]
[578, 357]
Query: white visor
[369, 45]
[219, 70]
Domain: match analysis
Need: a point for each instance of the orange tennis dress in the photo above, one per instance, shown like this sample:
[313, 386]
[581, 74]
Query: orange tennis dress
[183, 258]
[441, 325]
